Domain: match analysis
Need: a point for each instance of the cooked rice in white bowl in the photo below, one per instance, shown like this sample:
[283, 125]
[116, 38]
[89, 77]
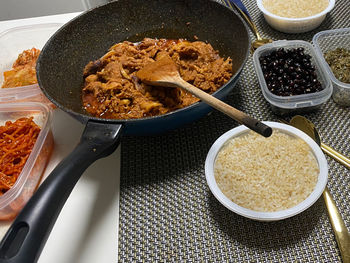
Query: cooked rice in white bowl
[290, 8]
[266, 179]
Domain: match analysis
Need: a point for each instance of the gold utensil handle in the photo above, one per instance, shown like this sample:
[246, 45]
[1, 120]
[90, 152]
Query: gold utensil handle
[341, 232]
[246, 18]
[336, 155]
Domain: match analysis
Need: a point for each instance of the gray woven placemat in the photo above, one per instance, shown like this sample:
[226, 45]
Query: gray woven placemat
[168, 214]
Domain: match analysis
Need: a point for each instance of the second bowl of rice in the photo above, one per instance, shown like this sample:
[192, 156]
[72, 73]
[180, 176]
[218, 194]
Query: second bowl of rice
[266, 179]
[295, 16]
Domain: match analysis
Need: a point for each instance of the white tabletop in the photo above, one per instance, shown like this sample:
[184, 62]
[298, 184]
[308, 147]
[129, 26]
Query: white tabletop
[87, 228]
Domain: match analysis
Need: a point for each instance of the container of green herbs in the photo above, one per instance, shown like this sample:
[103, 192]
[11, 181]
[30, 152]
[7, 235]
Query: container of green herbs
[333, 48]
[339, 61]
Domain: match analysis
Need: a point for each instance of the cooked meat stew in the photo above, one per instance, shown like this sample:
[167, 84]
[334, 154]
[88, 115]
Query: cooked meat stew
[112, 90]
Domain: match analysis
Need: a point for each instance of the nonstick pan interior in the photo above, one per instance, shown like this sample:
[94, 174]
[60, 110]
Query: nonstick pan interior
[89, 36]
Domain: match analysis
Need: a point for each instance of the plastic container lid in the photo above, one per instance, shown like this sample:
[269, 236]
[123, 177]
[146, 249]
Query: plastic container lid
[30, 93]
[296, 103]
[330, 40]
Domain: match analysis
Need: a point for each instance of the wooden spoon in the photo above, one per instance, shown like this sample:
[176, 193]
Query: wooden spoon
[164, 73]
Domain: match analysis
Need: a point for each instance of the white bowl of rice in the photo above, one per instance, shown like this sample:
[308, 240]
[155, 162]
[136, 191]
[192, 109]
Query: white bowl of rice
[266, 179]
[295, 16]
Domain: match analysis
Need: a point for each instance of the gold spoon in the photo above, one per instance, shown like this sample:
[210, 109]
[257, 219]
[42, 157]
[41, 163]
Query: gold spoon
[342, 234]
[259, 40]
[308, 127]
[163, 72]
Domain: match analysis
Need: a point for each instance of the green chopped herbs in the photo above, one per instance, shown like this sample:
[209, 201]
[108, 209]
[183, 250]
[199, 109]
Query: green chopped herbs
[339, 61]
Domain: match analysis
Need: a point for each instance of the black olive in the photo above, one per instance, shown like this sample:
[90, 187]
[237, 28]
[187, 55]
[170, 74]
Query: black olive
[305, 62]
[289, 72]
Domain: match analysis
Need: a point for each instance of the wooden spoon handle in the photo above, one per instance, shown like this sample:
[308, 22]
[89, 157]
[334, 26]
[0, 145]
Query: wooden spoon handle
[238, 115]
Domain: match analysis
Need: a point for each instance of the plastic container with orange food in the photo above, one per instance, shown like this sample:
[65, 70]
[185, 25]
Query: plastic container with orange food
[12, 43]
[15, 40]
[25, 101]
[13, 200]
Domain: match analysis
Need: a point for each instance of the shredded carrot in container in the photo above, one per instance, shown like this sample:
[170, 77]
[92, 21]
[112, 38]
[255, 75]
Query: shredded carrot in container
[17, 140]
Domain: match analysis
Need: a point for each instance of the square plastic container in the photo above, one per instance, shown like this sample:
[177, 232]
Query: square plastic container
[12, 201]
[15, 40]
[296, 104]
[25, 101]
[329, 40]
[30, 93]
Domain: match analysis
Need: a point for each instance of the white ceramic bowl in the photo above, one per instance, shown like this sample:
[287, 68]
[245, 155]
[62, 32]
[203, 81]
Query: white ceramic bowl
[294, 25]
[266, 216]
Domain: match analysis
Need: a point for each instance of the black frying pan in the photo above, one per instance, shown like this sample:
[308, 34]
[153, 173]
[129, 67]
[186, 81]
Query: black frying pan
[59, 72]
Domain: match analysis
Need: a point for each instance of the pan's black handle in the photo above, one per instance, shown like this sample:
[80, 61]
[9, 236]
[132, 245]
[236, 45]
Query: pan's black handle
[27, 235]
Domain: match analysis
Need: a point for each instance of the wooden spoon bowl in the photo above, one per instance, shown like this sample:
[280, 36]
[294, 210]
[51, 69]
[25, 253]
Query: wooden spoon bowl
[164, 73]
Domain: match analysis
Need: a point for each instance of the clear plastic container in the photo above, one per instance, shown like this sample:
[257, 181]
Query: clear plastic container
[13, 42]
[329, 40]
[16, 197]
[295, 25]
[25, 101]
[30, 93]
[296, 104]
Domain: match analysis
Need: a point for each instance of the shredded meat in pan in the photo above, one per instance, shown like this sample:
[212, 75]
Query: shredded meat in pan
[112, 90]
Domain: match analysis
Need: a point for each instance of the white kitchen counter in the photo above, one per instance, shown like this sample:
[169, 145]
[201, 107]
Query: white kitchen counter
[87, 228]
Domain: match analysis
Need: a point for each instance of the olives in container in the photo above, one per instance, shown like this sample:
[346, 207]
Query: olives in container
[291, 76]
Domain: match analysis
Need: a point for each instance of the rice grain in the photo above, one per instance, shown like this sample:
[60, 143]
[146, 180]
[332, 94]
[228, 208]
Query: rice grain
[295, 8]
[266, 174]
